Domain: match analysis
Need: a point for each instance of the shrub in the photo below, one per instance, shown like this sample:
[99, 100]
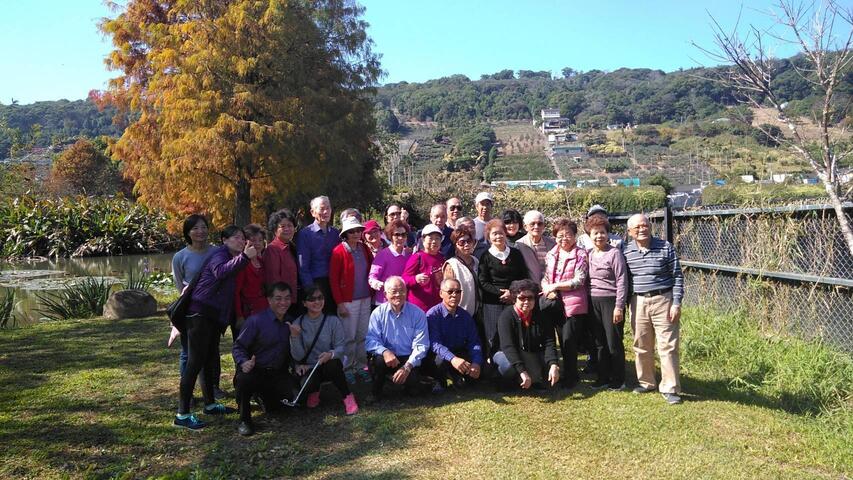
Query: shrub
[761, 195]
[7, 306]
[82, 299]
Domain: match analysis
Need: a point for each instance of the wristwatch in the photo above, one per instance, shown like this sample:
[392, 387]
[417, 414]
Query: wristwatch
[407, 367]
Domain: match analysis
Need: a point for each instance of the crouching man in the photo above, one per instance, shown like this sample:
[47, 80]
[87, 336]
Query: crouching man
[455, 349]
[262, 356]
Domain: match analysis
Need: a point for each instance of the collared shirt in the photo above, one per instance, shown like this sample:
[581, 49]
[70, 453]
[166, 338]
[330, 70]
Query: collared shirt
[453, 332]
[404, 334]
[314, 248]
[656, 268]
[265, 337]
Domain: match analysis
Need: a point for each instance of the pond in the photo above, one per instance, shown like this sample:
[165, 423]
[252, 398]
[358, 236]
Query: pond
[29, 277]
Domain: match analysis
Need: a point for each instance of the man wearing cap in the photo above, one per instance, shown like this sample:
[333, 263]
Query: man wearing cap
[586, 243]
[398, 339]
[348, 273]
[314, 245]
[454, 211]
[658, 287]
[396, 212]
[483, 202]
[438, 217]
[455, 348]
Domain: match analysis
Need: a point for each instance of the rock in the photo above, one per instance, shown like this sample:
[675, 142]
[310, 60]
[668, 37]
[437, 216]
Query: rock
[130, 304]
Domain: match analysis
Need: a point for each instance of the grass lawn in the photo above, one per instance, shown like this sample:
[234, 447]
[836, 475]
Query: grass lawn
[96, 398]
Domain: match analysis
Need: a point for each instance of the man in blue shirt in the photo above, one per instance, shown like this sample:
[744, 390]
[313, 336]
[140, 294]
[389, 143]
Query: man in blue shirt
[398, 339]
[262, 356]
[455, 348]
[314, 245]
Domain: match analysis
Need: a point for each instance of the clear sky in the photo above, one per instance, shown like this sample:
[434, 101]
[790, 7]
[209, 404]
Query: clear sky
[51, 49]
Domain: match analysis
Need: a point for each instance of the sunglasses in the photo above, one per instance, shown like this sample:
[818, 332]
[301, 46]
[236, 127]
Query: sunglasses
[315, 298]
[524, 298]
[399, 234]
[466, 241]
[453, 291]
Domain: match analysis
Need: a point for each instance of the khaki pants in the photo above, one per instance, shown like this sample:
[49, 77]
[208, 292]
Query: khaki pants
[649, 322]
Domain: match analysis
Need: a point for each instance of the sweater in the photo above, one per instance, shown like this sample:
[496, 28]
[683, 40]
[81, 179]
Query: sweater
[342, 272]
[249, 295]
[608, 275]
[536, 337]
[331, 339]
[186, 265]
[573, 267]
[534, 261]
[387, 263]
[494, 275]
[280, 265]
[424, 296]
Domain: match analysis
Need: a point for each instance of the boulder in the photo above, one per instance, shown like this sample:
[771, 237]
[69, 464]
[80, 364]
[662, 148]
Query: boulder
[130, 304]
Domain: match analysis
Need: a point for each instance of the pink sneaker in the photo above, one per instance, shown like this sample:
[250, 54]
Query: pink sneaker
[313, 400]
[350, 405]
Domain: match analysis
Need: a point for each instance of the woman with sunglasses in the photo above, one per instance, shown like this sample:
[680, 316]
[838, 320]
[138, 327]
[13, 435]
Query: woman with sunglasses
[462, 267]
[320, 340]
[390, 261]
[528, 355]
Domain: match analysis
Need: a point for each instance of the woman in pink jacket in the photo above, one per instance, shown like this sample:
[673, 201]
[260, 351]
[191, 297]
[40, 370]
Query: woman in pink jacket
[423, 272]
[564, 282]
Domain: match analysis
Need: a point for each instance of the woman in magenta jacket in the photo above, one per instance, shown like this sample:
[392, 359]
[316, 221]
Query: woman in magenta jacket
[348, 270]
[423, 272]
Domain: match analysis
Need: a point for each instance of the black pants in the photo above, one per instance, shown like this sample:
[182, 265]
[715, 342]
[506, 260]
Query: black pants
[331, 371]
[329, 307]
[611, 360]
[440, 369]
[272, 384]
[380, 370]
[568, 329]
[534, 364]
[202, 353]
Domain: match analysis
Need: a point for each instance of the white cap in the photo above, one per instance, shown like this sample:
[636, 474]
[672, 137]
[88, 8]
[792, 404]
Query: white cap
[430, 229]
[350, 223]
[595, 209]
[484, 196]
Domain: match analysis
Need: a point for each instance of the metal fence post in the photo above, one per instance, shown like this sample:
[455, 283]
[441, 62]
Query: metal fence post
[667, 222]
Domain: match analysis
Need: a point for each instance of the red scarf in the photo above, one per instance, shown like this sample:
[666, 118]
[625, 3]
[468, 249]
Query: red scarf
[526, 320]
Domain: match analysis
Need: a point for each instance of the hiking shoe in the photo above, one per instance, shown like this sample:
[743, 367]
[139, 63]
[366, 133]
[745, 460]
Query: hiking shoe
[313, 400]
[350, 377]
[438, 388]
[642, 389]
[350, 405]
[364, 375]
[190, 423]
[599, 385]
[616, 388]
[671, 398]
[245, 429]
[218, 409]
[218, 393]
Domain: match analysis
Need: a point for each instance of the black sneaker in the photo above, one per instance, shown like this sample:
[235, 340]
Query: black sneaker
[245, 429]
[218, 409]
[616, 388]
[671, 398]
[190, 423]
[218, 393]
[599, 385]
[642, 389]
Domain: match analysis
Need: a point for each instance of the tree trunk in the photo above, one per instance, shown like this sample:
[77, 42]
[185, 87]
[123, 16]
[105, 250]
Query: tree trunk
[839, 213]
[242, 202]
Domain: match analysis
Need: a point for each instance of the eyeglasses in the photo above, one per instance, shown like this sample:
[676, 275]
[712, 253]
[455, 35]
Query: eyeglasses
[399, 234]
[453, 291]
[316, 298]
[642, 225]
[455, 207]
[393, 214]
[525, 298]
[465, 241]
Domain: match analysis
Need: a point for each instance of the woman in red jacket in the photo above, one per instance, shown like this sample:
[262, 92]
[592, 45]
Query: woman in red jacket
[249, 297]
[348, 271]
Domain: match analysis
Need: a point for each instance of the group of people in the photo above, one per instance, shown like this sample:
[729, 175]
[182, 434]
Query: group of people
[461, 300]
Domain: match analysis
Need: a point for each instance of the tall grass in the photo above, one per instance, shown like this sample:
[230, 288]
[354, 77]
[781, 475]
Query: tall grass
[82, 299]
[800, 376]
[7, 306]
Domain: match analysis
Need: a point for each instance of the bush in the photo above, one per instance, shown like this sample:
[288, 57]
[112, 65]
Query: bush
[574, 202]
[761, 195]
[82, 299]
[7, 307]
[616, 166]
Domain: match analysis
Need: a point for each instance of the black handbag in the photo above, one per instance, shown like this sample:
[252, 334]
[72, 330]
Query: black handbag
[177, 310]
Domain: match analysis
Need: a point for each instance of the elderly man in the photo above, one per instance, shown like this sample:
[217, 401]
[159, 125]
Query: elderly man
[454, 211]
[438, 217]
[314, 245]
[398, 339]
[483, 202]
[534, 246]
[658, 287]
[455, 348]
[262, 356]
[397, 212]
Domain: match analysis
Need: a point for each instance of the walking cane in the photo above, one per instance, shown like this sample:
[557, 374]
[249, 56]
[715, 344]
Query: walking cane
[292, 403]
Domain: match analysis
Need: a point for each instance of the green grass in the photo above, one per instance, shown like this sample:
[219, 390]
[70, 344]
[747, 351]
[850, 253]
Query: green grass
[95, 398]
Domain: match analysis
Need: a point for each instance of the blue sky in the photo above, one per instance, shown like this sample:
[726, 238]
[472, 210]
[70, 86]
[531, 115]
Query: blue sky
[51, 49]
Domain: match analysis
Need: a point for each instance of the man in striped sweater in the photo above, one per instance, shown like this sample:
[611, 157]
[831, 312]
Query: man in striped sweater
[658, 287]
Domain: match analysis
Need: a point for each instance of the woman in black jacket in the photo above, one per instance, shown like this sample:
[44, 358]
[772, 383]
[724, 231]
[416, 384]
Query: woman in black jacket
[528, 355]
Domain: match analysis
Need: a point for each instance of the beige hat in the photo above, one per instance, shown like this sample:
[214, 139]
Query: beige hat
[484, 196]
[350, 223]
[430, 229]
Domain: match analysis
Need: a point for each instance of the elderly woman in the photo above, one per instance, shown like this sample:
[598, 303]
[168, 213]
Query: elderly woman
[423, 270]
[535, 246]
[514, 228]
[373, 237]
[348, 270]
[499, 266]
[462, 267]
[608, 278]
[566, 271]
[320, 339]
[390, 261]
[279, 259]
[528, 355]
[249, 295]
[481, 245]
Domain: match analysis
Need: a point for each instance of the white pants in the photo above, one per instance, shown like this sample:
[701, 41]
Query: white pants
[355, 329]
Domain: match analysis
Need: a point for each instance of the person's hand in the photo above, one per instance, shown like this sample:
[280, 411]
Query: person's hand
[342, 311]
[404, 215]
[461, 365]
[391, 360]
[324, 357]
[474, 371]
[250, 251]
[422, 278]
[674, 314]
[400, 376]
[295, 330]
[506, 296]
[248, 365]
[376, 284]
[175, 333]
[554, 374]
[547, 290]
[618, 316]
[526, 381]
[301, 370]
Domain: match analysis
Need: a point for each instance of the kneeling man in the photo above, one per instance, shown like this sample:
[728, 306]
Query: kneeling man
[455, 348]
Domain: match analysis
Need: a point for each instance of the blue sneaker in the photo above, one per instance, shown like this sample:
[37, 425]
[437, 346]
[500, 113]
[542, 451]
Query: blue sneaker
[191, 423]
[350, 377]
[218, 409]
[364, 375]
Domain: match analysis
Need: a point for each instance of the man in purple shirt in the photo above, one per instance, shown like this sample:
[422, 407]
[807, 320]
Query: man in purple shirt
[314, 245]
[262, 355]
[455, 348]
